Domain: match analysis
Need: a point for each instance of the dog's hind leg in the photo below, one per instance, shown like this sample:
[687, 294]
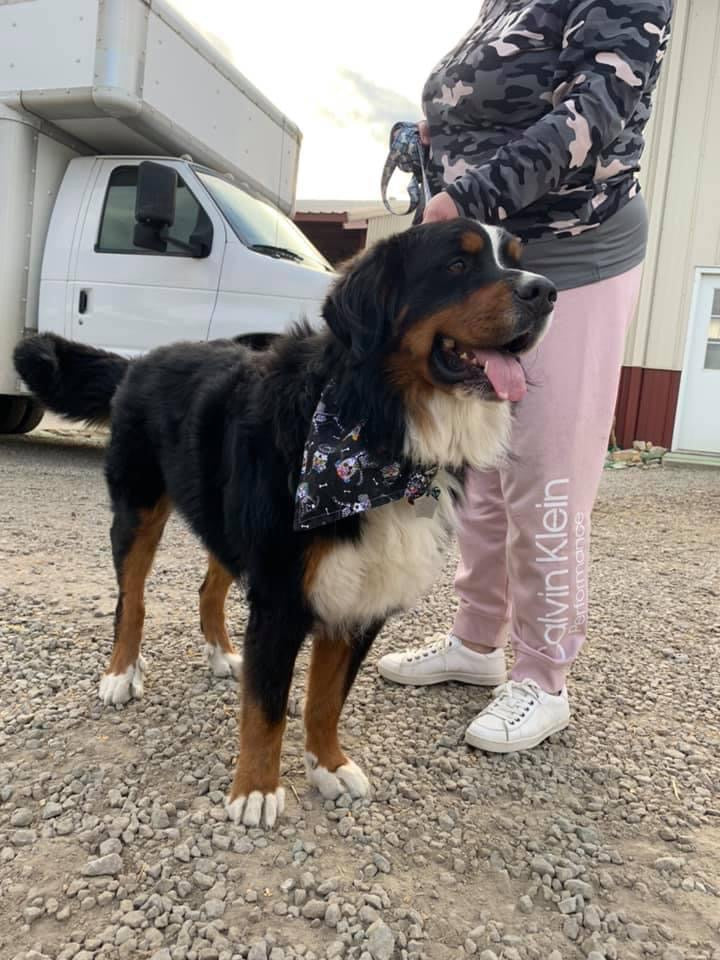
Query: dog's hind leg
[336, 658]
[223, 659]
[135, 535]
[274, 635]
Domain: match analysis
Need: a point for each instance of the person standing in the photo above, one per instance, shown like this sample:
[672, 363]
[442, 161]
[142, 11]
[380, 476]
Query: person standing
[535, 123]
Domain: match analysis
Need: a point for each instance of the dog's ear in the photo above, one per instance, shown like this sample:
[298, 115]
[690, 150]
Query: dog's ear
[365, 299]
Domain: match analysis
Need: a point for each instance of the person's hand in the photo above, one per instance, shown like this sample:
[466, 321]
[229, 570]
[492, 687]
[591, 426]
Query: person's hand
[441, 207]
[424, 130]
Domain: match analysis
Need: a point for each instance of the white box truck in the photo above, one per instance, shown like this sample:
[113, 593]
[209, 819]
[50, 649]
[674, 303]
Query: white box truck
[145, 187]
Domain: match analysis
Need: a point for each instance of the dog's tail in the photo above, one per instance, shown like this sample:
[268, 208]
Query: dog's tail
[70, 378]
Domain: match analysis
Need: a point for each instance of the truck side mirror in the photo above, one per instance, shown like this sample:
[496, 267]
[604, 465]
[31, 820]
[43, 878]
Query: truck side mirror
[154, 205]
[148, 237]
[155, 198]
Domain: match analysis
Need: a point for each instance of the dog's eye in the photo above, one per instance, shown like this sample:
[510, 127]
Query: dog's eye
[457, 266]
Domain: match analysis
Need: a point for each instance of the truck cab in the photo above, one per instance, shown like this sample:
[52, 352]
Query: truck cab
[218, 262]
[111, 234]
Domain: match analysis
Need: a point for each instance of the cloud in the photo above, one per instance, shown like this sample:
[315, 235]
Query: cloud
[373, 106]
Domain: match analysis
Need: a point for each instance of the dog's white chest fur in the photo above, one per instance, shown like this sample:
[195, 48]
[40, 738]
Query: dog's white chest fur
[401, 552]
[397, 559]
[459, 429]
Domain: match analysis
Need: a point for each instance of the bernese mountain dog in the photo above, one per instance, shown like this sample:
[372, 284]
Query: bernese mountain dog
[278, 459]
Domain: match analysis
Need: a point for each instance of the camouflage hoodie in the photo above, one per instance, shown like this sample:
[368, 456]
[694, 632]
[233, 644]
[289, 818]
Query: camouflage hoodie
[537, 115]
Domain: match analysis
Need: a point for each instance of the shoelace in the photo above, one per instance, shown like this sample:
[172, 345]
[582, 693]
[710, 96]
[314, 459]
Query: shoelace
[513, 700]
[422, 653]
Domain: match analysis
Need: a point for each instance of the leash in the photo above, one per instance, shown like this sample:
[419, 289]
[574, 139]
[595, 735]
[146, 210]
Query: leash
[406, 153]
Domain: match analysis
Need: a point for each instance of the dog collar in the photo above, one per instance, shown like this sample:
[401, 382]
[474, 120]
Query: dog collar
[340, 477]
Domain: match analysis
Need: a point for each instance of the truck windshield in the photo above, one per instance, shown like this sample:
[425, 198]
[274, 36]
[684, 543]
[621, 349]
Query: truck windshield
[260, 226]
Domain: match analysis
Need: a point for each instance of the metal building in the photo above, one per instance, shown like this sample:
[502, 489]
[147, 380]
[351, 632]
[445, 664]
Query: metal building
[670, 387]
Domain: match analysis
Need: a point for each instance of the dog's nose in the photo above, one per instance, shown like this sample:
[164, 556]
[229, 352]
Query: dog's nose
[536, 292]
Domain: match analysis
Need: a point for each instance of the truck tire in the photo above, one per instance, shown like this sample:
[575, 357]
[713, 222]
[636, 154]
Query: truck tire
[12, 411]
[34, 412]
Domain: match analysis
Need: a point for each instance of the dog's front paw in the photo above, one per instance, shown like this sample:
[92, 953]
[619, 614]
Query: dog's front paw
[347, 778]
[222, 663]
[118, 688]
[257, 808]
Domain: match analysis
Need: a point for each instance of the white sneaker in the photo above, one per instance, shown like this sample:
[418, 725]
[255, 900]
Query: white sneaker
[446, 659]
[520, 716]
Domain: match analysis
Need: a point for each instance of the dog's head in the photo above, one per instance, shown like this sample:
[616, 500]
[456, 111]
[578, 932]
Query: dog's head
[443, 307]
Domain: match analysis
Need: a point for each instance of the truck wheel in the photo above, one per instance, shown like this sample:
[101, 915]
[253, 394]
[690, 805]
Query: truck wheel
[12, 411]
[34, 412]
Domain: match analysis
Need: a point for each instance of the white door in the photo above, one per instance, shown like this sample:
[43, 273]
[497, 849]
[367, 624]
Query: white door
[129, 299]
[698, 426]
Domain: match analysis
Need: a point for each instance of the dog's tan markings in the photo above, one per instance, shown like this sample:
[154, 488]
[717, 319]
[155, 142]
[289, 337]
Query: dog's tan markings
[258, 762]
[130, 614]
[482, 319]
[326, 692]
[514, 249]
[472, 242]
[314, 556]
[408, 374]
[213, 593]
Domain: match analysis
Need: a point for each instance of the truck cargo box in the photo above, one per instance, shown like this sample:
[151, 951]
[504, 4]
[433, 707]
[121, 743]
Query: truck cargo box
[132, 76]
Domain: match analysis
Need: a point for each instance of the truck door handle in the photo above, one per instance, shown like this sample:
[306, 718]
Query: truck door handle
[83, 301]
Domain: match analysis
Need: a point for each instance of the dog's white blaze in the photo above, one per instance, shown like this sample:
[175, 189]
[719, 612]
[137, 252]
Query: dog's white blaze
[397, 559]
[496, 235]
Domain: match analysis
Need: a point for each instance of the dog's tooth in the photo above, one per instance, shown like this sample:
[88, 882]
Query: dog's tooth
[448, 343]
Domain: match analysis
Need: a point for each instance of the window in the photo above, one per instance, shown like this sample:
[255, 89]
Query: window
[261, 226]
[118, 219]
[712, 353]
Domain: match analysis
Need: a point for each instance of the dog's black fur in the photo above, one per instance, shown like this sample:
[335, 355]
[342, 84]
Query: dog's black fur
[219, 428]
[70, 378]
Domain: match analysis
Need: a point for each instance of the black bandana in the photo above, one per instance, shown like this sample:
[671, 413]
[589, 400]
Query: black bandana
[340, 477]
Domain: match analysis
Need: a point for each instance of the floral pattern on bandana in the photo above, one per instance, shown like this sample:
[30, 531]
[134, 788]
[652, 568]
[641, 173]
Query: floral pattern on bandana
[340, 477]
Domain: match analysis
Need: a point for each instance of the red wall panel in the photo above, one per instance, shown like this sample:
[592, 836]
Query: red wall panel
[646, 406]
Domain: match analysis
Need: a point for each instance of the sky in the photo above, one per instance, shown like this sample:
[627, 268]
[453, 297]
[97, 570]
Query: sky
[343, 72]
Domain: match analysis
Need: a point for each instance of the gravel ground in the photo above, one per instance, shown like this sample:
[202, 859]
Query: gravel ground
[602, 843]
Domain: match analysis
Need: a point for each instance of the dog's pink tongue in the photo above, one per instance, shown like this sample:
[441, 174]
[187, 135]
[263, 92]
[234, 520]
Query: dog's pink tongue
[504, 373]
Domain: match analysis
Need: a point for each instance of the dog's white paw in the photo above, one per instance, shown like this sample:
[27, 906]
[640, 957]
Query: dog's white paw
[257, 809]
[223, 664]
[348, 778]
[120, 687]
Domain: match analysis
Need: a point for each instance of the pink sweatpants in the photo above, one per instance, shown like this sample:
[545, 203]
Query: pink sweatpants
[525, 529]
